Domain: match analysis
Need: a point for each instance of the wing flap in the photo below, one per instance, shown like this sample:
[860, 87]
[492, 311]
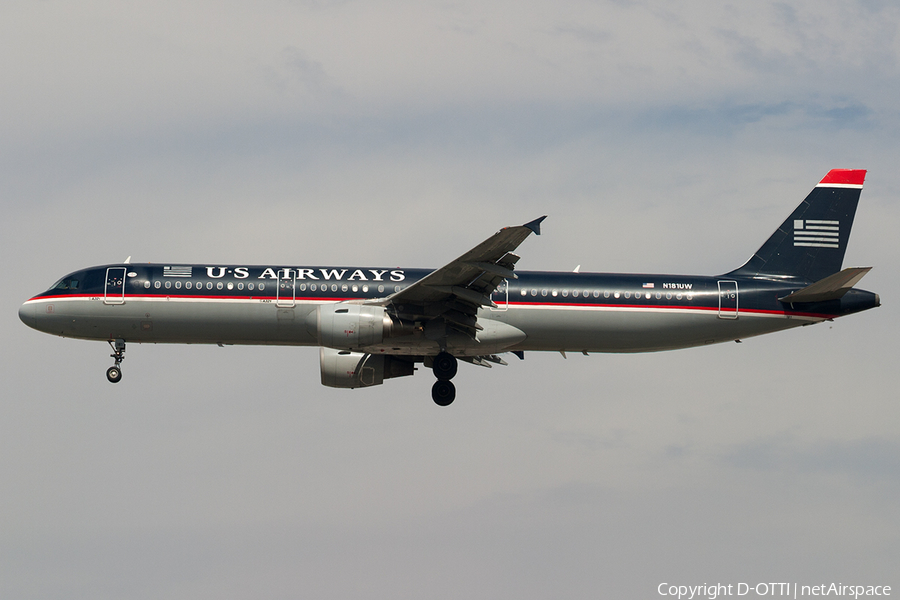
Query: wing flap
[495, 269]
[466, 294]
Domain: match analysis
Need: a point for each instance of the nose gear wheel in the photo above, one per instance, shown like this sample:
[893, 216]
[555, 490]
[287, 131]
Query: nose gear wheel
[114, 374]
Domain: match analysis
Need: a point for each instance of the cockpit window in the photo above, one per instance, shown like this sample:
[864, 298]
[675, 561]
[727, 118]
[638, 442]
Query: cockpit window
[68, 283]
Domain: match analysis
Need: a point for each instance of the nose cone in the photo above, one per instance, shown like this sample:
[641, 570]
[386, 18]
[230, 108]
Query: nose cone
[26, 313]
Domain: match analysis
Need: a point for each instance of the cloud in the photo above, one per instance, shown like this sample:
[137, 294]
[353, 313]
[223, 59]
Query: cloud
[872, 460]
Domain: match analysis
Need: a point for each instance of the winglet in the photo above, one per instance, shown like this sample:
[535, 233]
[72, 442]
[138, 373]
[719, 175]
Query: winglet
[535, 225]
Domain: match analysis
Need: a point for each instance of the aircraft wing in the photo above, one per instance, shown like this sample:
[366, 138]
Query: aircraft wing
[457, 290]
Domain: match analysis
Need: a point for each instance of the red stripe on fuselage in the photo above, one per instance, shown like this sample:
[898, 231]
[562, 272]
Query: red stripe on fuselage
[674, 307]
[570, 305]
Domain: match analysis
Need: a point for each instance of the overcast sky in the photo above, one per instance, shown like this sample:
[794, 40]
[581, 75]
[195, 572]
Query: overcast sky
[657, 136]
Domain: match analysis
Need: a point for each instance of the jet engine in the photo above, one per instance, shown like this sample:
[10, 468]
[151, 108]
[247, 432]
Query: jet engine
[345, 369]
[352, 326]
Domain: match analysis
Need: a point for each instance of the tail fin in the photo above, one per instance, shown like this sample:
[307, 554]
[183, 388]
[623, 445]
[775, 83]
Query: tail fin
[811, 243]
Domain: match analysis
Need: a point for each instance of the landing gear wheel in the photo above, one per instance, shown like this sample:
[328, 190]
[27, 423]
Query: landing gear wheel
[443, 393]
[445, 366]
[114, 374]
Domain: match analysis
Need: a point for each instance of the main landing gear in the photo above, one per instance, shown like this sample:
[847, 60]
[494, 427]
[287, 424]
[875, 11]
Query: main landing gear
[443, 392]
[114, 373]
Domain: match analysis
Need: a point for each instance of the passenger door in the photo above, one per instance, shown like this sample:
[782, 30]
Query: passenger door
[114, 288]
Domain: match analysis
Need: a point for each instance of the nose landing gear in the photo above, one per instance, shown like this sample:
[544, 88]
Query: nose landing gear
[443, 392]
[114, 373]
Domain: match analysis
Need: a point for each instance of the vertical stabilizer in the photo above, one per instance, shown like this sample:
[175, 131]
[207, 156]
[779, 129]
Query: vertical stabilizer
[811, 243]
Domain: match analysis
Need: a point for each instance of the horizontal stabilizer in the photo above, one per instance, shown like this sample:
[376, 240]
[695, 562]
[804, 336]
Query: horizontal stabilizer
[832, 287]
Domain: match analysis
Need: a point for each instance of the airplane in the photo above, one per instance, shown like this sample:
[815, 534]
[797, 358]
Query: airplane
[373, 324]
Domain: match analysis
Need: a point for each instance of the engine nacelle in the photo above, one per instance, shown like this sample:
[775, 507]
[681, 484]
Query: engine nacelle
[345, 369]
[351, 326]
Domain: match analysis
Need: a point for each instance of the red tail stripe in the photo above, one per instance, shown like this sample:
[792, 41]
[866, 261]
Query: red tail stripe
[845, 176]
